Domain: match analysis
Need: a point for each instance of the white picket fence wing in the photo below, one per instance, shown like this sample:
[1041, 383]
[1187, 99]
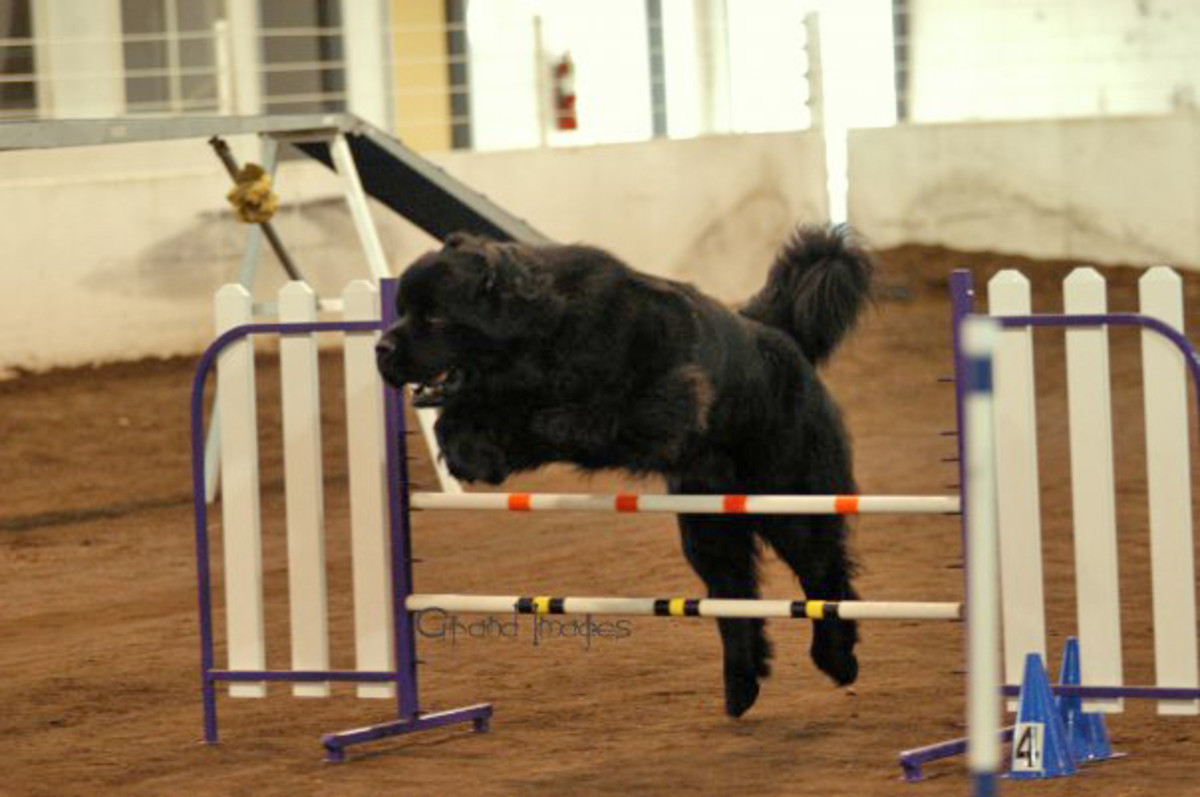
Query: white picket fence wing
[1090, 419]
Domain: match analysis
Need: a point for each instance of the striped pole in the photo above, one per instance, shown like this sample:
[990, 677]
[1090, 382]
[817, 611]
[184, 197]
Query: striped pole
[686, 607]
[983, 656]
[692, 504]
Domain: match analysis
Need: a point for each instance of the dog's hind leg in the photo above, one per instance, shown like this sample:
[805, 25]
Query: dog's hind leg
[814, 548]
[723, 553]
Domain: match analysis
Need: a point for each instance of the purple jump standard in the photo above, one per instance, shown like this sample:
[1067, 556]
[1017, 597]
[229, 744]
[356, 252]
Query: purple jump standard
[409, 718]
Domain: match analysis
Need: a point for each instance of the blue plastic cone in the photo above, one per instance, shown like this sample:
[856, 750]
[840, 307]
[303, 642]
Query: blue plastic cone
[1087, 733]
[1039, 746]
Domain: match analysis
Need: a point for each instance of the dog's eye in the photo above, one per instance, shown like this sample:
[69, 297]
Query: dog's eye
[435, 322]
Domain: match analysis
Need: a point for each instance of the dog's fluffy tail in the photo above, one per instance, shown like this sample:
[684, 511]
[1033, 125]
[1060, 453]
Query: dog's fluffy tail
[817, 287]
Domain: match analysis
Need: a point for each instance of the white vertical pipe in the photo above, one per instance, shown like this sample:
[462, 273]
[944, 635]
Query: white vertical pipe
[223, 56]
[1020, 521]
[1168, 476]
[360, 212]
[244, 32]
[80, 59]
[304, 489]
[983, 599]
[374, 647]
[712, 48]
[546, 112]
[240, 513]
[174, 78]
[364, 35]
[816, 75]
[1093, 494]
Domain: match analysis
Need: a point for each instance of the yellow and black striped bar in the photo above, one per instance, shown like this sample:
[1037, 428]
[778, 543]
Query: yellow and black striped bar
[687, 607]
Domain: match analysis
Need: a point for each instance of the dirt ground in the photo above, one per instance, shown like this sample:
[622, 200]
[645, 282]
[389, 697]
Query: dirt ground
[99, 686]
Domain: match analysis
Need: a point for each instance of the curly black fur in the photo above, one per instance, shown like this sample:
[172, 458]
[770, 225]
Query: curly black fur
[565, 354]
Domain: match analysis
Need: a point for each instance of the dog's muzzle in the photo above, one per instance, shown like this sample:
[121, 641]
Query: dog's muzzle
[429, 390]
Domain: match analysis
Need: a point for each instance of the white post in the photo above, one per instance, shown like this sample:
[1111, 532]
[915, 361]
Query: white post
[360, 211]
[983, 599]
[1168, 476]
[240, 515]
[80, 60]
[1020, 520]
[364, 36]
[816, 75]
[712, 48]
[223, 56]
[304, 489]
[1093, 494]
[244, 39]
[546, 113]
[374, 647]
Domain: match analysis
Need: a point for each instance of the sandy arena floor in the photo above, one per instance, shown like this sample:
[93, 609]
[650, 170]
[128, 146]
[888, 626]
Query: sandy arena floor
[98, 641]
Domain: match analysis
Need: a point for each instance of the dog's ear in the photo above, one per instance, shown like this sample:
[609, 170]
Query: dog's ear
[462, 240]
[522, 292]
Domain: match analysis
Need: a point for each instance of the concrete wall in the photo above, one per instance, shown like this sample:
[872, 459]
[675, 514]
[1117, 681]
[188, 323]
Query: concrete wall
[1104, 190]
[984, 59]
[113, 253]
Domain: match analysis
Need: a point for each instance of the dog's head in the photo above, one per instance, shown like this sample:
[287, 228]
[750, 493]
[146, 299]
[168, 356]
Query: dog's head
[470, 302]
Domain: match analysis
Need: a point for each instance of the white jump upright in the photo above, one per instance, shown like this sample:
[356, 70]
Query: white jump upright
[979, 336]
[304, 493]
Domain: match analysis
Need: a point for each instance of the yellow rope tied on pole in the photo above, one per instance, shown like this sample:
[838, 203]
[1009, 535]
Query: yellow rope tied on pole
[252, 197]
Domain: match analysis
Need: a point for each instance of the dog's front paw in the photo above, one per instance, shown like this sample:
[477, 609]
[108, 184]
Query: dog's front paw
[741, 690]
[833, 650]
[476, 461]
[472, 457]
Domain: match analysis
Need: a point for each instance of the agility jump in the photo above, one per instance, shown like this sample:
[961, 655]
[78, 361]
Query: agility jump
[384, 598]
[385, 541]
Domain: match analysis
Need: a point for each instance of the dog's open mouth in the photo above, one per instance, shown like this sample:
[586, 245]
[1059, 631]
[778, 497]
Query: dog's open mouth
[434, 392]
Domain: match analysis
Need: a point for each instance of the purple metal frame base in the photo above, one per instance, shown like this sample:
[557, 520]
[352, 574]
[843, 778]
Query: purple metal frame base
[479, 716]
[912, 760]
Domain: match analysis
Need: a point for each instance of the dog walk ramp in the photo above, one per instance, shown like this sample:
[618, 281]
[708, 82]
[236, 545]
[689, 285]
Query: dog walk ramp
[421, 191]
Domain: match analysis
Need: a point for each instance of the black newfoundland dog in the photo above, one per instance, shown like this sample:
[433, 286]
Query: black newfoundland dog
[541, 354]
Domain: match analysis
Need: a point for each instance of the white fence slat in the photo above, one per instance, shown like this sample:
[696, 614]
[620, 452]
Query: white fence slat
[1093, 497]
[303, 488]
[374, 643]
[1168, 474]
[1019, 507]
[240, 515]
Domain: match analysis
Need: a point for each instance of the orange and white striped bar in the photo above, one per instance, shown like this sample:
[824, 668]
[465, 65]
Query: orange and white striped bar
[693, 504]
[686, 607]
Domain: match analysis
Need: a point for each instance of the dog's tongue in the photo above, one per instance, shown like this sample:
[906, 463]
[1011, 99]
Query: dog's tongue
[432, 393]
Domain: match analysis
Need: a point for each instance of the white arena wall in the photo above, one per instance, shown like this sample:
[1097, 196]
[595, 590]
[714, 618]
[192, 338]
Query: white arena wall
[113, 253]
[1116, 190]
